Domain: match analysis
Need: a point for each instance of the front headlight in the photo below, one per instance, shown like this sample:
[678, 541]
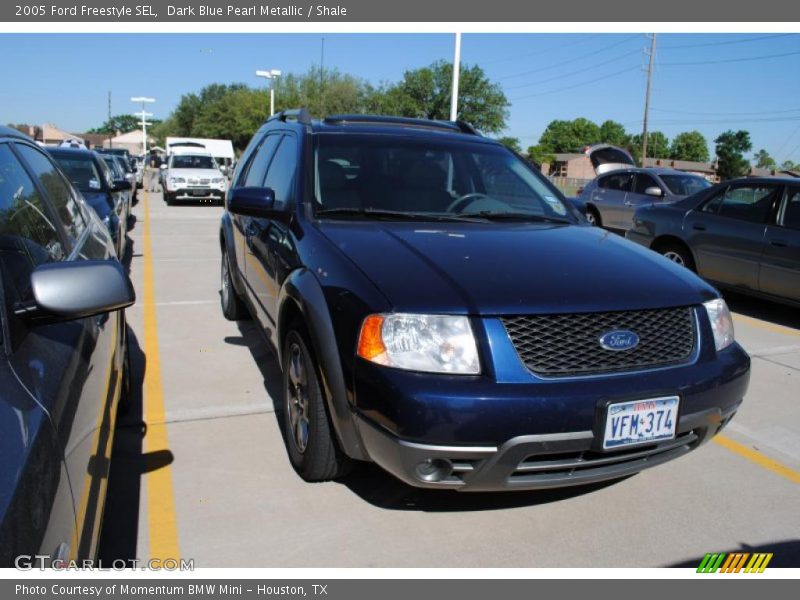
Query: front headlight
[217, 180]
[174, 180]
[721, 322]
[430, 343]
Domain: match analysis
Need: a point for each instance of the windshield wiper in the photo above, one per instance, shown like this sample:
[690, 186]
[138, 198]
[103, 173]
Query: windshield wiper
[397, 214]
[518, 216]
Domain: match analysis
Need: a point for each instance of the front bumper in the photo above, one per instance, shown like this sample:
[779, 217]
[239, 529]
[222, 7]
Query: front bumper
[197, 194]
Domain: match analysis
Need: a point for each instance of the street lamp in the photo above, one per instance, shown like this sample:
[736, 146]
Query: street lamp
[271, 74]
[144, 100]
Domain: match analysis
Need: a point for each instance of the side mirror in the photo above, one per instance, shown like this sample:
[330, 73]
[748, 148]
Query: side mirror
[654, 190]
[256, 202]
[63, 291]
[121, 185]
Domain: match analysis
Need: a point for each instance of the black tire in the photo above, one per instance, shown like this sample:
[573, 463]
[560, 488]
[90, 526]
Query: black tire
[678, 253]
[168, 199]
[233, 307]
[593, 216]
[310, 441]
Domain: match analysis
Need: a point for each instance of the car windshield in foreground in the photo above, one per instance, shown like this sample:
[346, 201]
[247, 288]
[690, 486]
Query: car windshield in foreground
[429, 179]
[685, 185]
[193, 162]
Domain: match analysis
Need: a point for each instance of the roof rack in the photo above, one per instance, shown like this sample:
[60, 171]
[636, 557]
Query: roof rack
[461, 126]
[300, 115]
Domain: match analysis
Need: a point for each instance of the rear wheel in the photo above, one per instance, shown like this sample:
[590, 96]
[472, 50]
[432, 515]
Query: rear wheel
[233, 307]
[593, 217]
[679, 254]
[310, 441]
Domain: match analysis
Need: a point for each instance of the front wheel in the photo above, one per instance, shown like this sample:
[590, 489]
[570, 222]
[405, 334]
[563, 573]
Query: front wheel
[310, 442]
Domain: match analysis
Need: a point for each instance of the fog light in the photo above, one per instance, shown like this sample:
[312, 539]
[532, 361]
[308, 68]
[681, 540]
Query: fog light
[434, 470]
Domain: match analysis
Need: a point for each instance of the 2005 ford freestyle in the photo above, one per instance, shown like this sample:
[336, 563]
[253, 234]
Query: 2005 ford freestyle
[439, 309]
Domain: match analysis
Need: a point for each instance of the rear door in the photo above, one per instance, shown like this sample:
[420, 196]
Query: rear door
[636, 197]
[727, 233]
[609, 198]
[780, 263]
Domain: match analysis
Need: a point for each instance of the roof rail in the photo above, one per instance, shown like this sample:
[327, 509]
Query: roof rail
[300, 115]
[383, 120]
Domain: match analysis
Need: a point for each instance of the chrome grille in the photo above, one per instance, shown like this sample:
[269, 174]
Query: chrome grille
[569, 344]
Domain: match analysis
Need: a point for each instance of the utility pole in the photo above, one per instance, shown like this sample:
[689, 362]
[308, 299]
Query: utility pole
[110, 131]
[456, 73]
[647, 96]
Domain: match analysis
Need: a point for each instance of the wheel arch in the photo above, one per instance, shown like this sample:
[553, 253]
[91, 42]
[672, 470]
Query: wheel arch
[301, 297]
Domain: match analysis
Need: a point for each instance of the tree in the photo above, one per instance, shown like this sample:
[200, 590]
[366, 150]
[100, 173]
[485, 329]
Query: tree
[540, 155]
[764, 160]
[730, 149]
[657, 145]
[689, 145]
[569, 136]
[614, 133]
[426, 93]
[121, 123]
[511, 143]
[788, 165]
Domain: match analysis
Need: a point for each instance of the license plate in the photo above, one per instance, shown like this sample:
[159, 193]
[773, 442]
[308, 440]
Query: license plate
[200, 192]
[640, 422]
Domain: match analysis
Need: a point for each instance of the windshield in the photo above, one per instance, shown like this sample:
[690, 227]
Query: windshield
[81, 172]
[684, 185]
[115, 168]
[188, 161]
[397, 174]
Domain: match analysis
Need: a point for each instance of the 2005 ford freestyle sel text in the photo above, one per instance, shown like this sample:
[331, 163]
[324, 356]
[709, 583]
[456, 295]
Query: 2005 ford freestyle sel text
[439, 309]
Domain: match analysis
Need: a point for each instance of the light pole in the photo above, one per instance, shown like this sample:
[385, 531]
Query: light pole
[456, 73]
[144, 100]
[271, 74]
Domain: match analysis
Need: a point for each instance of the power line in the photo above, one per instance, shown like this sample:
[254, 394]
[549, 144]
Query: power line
[571, 60]
[731, 114]
[728, 42]
[727, 121]
[539, 52]
[565, 75]
[786, 141]
[577, 85]
[729, 60]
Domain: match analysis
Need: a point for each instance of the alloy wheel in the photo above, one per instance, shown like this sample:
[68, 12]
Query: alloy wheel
[297, 404]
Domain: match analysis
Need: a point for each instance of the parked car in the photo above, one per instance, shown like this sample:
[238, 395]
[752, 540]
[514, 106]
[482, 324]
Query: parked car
[128, 164]
[610, 199]
[192, 174]
[439, 309]
[117, 168]
[64, 365]
[106, 195]
[742, 234]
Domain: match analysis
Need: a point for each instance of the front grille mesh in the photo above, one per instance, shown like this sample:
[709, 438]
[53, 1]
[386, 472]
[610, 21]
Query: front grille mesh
[569, 344]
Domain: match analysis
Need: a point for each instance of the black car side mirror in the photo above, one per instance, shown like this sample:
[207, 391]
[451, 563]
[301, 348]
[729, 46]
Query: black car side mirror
[257, 202]
[63, 291]
[121, 185]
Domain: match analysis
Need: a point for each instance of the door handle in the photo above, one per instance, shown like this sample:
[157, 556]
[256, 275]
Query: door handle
[699, 227]
[778, 243]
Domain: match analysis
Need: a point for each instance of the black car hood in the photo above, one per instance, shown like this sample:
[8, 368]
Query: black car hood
[512, 268]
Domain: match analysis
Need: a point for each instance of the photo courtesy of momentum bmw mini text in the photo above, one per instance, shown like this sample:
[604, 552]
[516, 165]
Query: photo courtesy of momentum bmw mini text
[400, 300]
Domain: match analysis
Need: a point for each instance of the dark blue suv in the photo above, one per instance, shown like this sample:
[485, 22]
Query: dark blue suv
[440, 310]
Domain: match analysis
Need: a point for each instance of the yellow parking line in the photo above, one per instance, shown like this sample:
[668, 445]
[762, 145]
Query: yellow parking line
[758, 458]
[765, 325]
[162, 525]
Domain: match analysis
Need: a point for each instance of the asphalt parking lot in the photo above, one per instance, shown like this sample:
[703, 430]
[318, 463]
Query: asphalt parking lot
[199, 468]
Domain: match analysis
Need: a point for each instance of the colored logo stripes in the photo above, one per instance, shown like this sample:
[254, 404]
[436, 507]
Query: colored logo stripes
[735, 562]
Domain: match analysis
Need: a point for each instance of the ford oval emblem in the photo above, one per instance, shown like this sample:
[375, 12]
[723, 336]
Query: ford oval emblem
[620, 339]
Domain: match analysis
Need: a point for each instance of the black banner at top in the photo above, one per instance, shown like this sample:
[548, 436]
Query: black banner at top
[440, 11]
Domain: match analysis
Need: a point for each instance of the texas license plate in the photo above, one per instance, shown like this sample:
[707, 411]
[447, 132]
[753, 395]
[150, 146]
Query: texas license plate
[640, 422]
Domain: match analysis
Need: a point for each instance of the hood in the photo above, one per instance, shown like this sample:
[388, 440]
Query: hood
[606, 158]
[194, 173]
[512, 269]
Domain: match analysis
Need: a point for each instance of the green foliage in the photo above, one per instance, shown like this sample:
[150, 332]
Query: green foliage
[764, 160]
[120, 123]
[689, 145]
[788, 165]
[540, 155]
[657, 145]
[511, 143]
[569, 136]
[730, 149]
[614, 133]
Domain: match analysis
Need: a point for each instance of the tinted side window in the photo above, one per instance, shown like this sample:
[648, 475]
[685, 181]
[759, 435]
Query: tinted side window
[621, 182]
[28, 237]
[58, 191]
[282, 169]
[791, 209]
[747, 203]
[643, 182]
[257, 169]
